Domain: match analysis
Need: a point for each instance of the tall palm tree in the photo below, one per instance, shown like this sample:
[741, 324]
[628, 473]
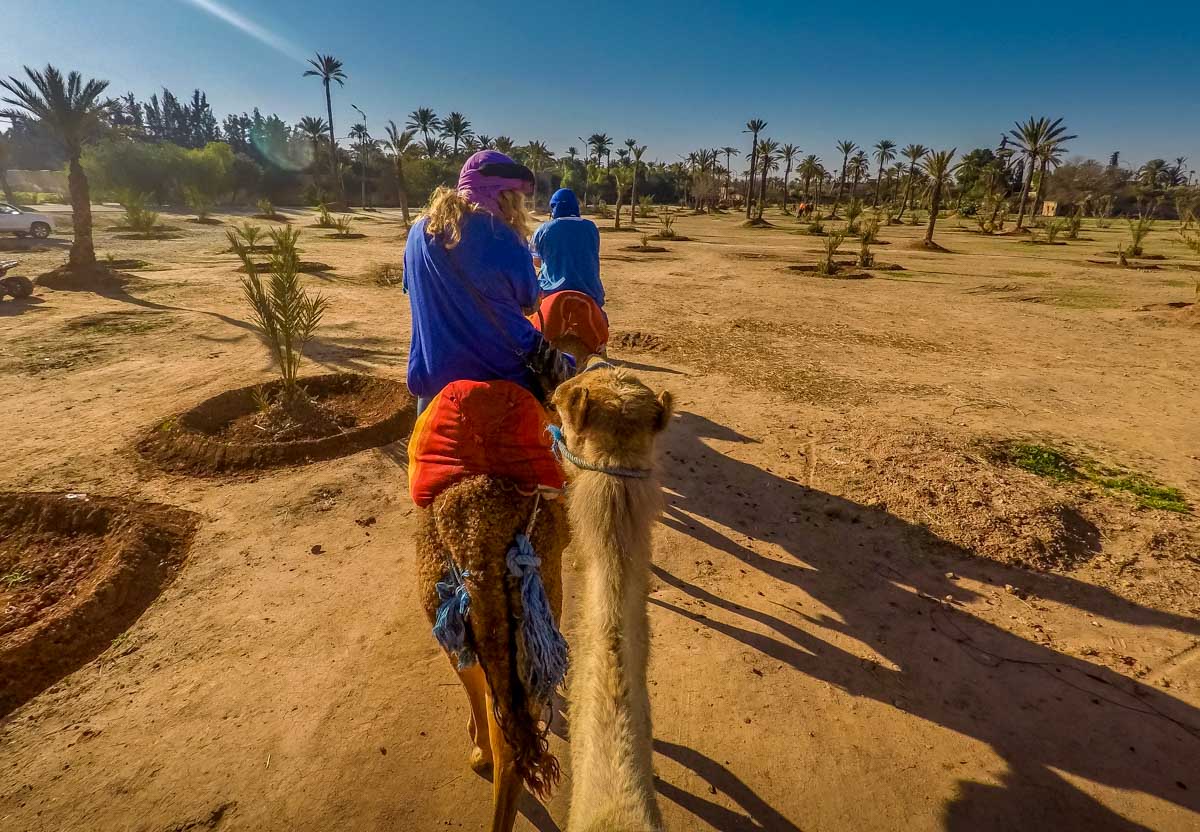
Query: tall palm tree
[601, 144]
[729, 152]
[313, 128]
[895, 174]
[505, 145]
[484, 141]
[754, 126]
[400, 142]
[768, 160]
[572, 153]
[938, 167]
[425, 120]
[455, 127]
[328, 69]
[71, 110]
[885, 151]
[788, 154]
[637, 151]
[360, 134]
[1036, 138]
[914, 153]
[434, 148]
[859, 168]
[810, 166]
[844, 147]
[539, 156]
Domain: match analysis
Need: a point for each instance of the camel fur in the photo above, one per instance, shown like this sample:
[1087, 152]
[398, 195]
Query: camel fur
[475, 522]
[610, 420]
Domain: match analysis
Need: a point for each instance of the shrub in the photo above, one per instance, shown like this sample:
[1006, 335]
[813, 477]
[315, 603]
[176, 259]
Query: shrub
[1139, 230]
[285, 313]
[914, 218]
[137, 217]
[666, 219]
[865, 257]
[1192, 241]
[266, 209]
[200, 202]
[853, 211]
[387, 274]
[816, 227]
[645, 203]
[833, 242]
[1074, 223]
[324, 218]
[603, 211]
[243, 239]
[1053, 229]
[343, 225]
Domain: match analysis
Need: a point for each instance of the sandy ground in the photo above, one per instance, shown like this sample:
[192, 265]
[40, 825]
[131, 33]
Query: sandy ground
[834, 646]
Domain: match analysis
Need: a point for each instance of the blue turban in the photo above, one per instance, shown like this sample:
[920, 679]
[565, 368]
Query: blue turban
[564, 203]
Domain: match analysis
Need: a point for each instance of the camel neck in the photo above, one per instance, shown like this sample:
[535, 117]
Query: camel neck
[611, 747]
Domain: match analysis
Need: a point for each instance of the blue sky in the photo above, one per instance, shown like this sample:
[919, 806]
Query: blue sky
[675, 75]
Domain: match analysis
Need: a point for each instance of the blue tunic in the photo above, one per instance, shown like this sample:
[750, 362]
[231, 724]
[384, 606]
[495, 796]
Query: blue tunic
[570, 252]
[468, 306]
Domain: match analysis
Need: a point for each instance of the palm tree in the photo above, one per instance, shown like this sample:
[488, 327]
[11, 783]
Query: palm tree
[938, 167]
[425, 120]
[455, 127]
[754, 126]
[768, 160]
[1037, 139]
[505, 145]
[329, 68]
[914, 153]
[539, 156]
[314, 129]
[601, 145]
[400, 142]
[433, 148]
[809, 167]
[637, 151]
[484, 141]
[729, 152]
[844, 147]
[885, 151]
[859, 167]
[895, 174]
[572, 153]
[4, 161]
[788, 154]
[71, 110]
[360, 134]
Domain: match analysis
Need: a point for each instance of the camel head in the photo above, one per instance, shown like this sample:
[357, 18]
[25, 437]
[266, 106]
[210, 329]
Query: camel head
[610, 417]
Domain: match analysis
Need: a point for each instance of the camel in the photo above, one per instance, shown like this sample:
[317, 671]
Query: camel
[609, 424]
[473, 523]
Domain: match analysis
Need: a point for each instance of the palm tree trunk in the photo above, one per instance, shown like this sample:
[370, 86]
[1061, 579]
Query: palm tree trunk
[762, 191]
[750, 176]
[935, 200]
[841, 187]
[1028, 180]
[633, 198]
[1036, 209]
[401, 187]
[878, 185]
[83, 252]
[333, 165]
[786, 175]
[912, 174]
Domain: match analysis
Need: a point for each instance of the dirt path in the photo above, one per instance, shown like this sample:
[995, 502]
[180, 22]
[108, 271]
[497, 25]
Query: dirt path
[826, 656]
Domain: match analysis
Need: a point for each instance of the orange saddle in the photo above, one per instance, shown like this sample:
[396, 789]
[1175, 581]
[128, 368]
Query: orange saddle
[572, 313]
[481, 427]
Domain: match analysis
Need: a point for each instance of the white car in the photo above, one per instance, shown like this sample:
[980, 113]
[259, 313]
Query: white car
[14, 220]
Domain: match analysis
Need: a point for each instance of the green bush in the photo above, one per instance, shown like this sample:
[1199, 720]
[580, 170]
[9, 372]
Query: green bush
[163, 172]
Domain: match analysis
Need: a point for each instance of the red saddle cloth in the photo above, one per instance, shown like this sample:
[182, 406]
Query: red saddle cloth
[572, 313]
[481, 427]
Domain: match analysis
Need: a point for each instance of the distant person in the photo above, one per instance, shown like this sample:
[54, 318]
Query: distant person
[471, 284]
[569, 248]
[571, 315]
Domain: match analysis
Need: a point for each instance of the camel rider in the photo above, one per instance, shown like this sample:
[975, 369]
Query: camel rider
[471, 282]
[569, 248]
[571, 314]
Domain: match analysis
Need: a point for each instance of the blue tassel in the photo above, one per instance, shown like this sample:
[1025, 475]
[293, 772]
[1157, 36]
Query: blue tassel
[545, 665]
[450, 628]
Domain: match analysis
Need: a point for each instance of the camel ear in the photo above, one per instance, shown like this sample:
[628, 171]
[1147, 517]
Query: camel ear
[666, 406]
[574, 407]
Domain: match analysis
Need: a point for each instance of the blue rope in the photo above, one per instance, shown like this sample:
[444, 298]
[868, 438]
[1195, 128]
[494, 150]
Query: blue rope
[450, 627]
[563, 452]
[545, 665]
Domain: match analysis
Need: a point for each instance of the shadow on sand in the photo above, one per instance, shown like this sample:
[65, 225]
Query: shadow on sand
[1038, 709]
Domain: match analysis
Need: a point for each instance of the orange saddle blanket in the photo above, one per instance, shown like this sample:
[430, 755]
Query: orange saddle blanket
[572, 313]
[481, 427]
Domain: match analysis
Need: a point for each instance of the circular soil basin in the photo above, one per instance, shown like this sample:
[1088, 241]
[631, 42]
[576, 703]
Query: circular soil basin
[75, 572]
[223, 434]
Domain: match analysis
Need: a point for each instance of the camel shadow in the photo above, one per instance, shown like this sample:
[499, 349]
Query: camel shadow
[1040, 710]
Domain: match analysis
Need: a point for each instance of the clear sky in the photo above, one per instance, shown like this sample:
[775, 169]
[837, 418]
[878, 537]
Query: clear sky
[675, 75]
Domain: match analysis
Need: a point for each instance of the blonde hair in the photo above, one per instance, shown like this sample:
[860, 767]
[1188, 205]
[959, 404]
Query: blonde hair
[448, 208]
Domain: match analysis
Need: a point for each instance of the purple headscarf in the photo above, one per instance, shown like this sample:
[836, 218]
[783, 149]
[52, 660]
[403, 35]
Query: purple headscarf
[489, 172]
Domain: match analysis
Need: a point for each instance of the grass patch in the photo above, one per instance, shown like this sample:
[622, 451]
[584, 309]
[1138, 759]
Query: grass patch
[1060, 466]
[15, 578]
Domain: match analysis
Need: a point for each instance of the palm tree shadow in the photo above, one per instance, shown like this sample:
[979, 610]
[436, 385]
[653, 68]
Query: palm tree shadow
[875, 572]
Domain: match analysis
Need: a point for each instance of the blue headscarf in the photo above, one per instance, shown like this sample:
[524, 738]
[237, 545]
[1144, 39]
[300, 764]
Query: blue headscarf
[564, 203]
